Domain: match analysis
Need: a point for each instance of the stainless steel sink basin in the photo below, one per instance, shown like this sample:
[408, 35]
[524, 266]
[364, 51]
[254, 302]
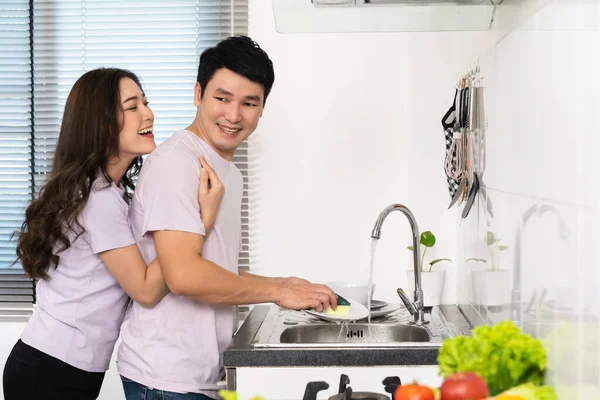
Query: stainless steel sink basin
[292, 329]
[355, 333]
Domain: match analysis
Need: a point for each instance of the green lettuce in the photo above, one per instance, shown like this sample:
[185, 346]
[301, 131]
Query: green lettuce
[531, 392]
[228, 395]
[501, 354]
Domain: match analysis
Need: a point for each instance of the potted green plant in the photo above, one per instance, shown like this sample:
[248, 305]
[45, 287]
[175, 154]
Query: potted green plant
[432, 280]
[490, 285]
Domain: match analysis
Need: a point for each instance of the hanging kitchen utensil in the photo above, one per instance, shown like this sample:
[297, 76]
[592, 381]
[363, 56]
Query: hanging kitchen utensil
[460, 149]
[458, 136]
[473, 189]
[470, 128]
[458, 193]
[478, 121]
[449, 119]
[483, 145]
[477, 153]
[453, 147]
[465, 152]
[471, 197]
[464, 129]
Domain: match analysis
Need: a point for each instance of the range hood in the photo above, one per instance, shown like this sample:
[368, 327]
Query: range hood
[323, 16]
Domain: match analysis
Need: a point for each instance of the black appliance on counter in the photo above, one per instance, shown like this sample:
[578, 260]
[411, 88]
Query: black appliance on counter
[345, 392]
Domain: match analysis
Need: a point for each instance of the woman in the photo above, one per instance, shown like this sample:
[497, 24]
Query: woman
[76, 241]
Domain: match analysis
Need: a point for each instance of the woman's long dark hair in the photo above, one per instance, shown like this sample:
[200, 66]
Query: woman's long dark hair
[89, 137]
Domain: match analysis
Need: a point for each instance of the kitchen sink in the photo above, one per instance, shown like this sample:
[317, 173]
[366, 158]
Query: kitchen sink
[294, 329]
[355, 333]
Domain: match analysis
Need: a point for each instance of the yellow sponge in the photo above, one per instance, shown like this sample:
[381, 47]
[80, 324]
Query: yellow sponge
[343, 307]
[340, 310]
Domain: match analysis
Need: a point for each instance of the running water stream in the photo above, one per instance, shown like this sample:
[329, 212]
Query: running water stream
[345, 325]
[370, 285]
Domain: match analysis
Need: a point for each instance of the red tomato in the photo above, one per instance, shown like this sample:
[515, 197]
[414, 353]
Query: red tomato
[464, 386]
[413, 392]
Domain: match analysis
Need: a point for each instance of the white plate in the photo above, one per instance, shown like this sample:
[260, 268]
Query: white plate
[377, 304]
[390, 308]
[357, 311]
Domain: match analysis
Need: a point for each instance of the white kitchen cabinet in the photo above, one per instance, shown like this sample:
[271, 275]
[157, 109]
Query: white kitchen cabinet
[289, 383]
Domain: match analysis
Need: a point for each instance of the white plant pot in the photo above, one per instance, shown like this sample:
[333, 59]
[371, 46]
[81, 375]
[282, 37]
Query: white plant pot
[432, 283]
[490, 288]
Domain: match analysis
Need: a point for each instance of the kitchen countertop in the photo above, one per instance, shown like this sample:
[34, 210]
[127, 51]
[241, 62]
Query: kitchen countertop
[243, 353]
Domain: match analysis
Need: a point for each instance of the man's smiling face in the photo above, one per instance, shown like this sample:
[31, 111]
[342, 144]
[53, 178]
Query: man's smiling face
[228, 112]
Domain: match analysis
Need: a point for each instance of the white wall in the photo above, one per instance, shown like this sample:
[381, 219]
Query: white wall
[352, 125]
[542, 143]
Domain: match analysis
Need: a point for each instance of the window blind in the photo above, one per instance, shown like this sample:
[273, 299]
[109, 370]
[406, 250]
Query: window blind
[159, 40]
[15, 146]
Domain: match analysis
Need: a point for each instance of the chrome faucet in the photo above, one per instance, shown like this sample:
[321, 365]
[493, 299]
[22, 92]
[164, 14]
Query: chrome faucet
[415, 307]
[563, 232]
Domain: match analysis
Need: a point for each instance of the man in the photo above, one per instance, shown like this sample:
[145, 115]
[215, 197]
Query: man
[177, 346]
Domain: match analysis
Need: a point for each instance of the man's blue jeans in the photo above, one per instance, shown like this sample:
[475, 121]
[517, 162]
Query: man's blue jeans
[136, 391]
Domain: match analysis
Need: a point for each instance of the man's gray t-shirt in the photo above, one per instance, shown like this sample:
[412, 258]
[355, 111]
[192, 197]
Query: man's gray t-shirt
[178, 345]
